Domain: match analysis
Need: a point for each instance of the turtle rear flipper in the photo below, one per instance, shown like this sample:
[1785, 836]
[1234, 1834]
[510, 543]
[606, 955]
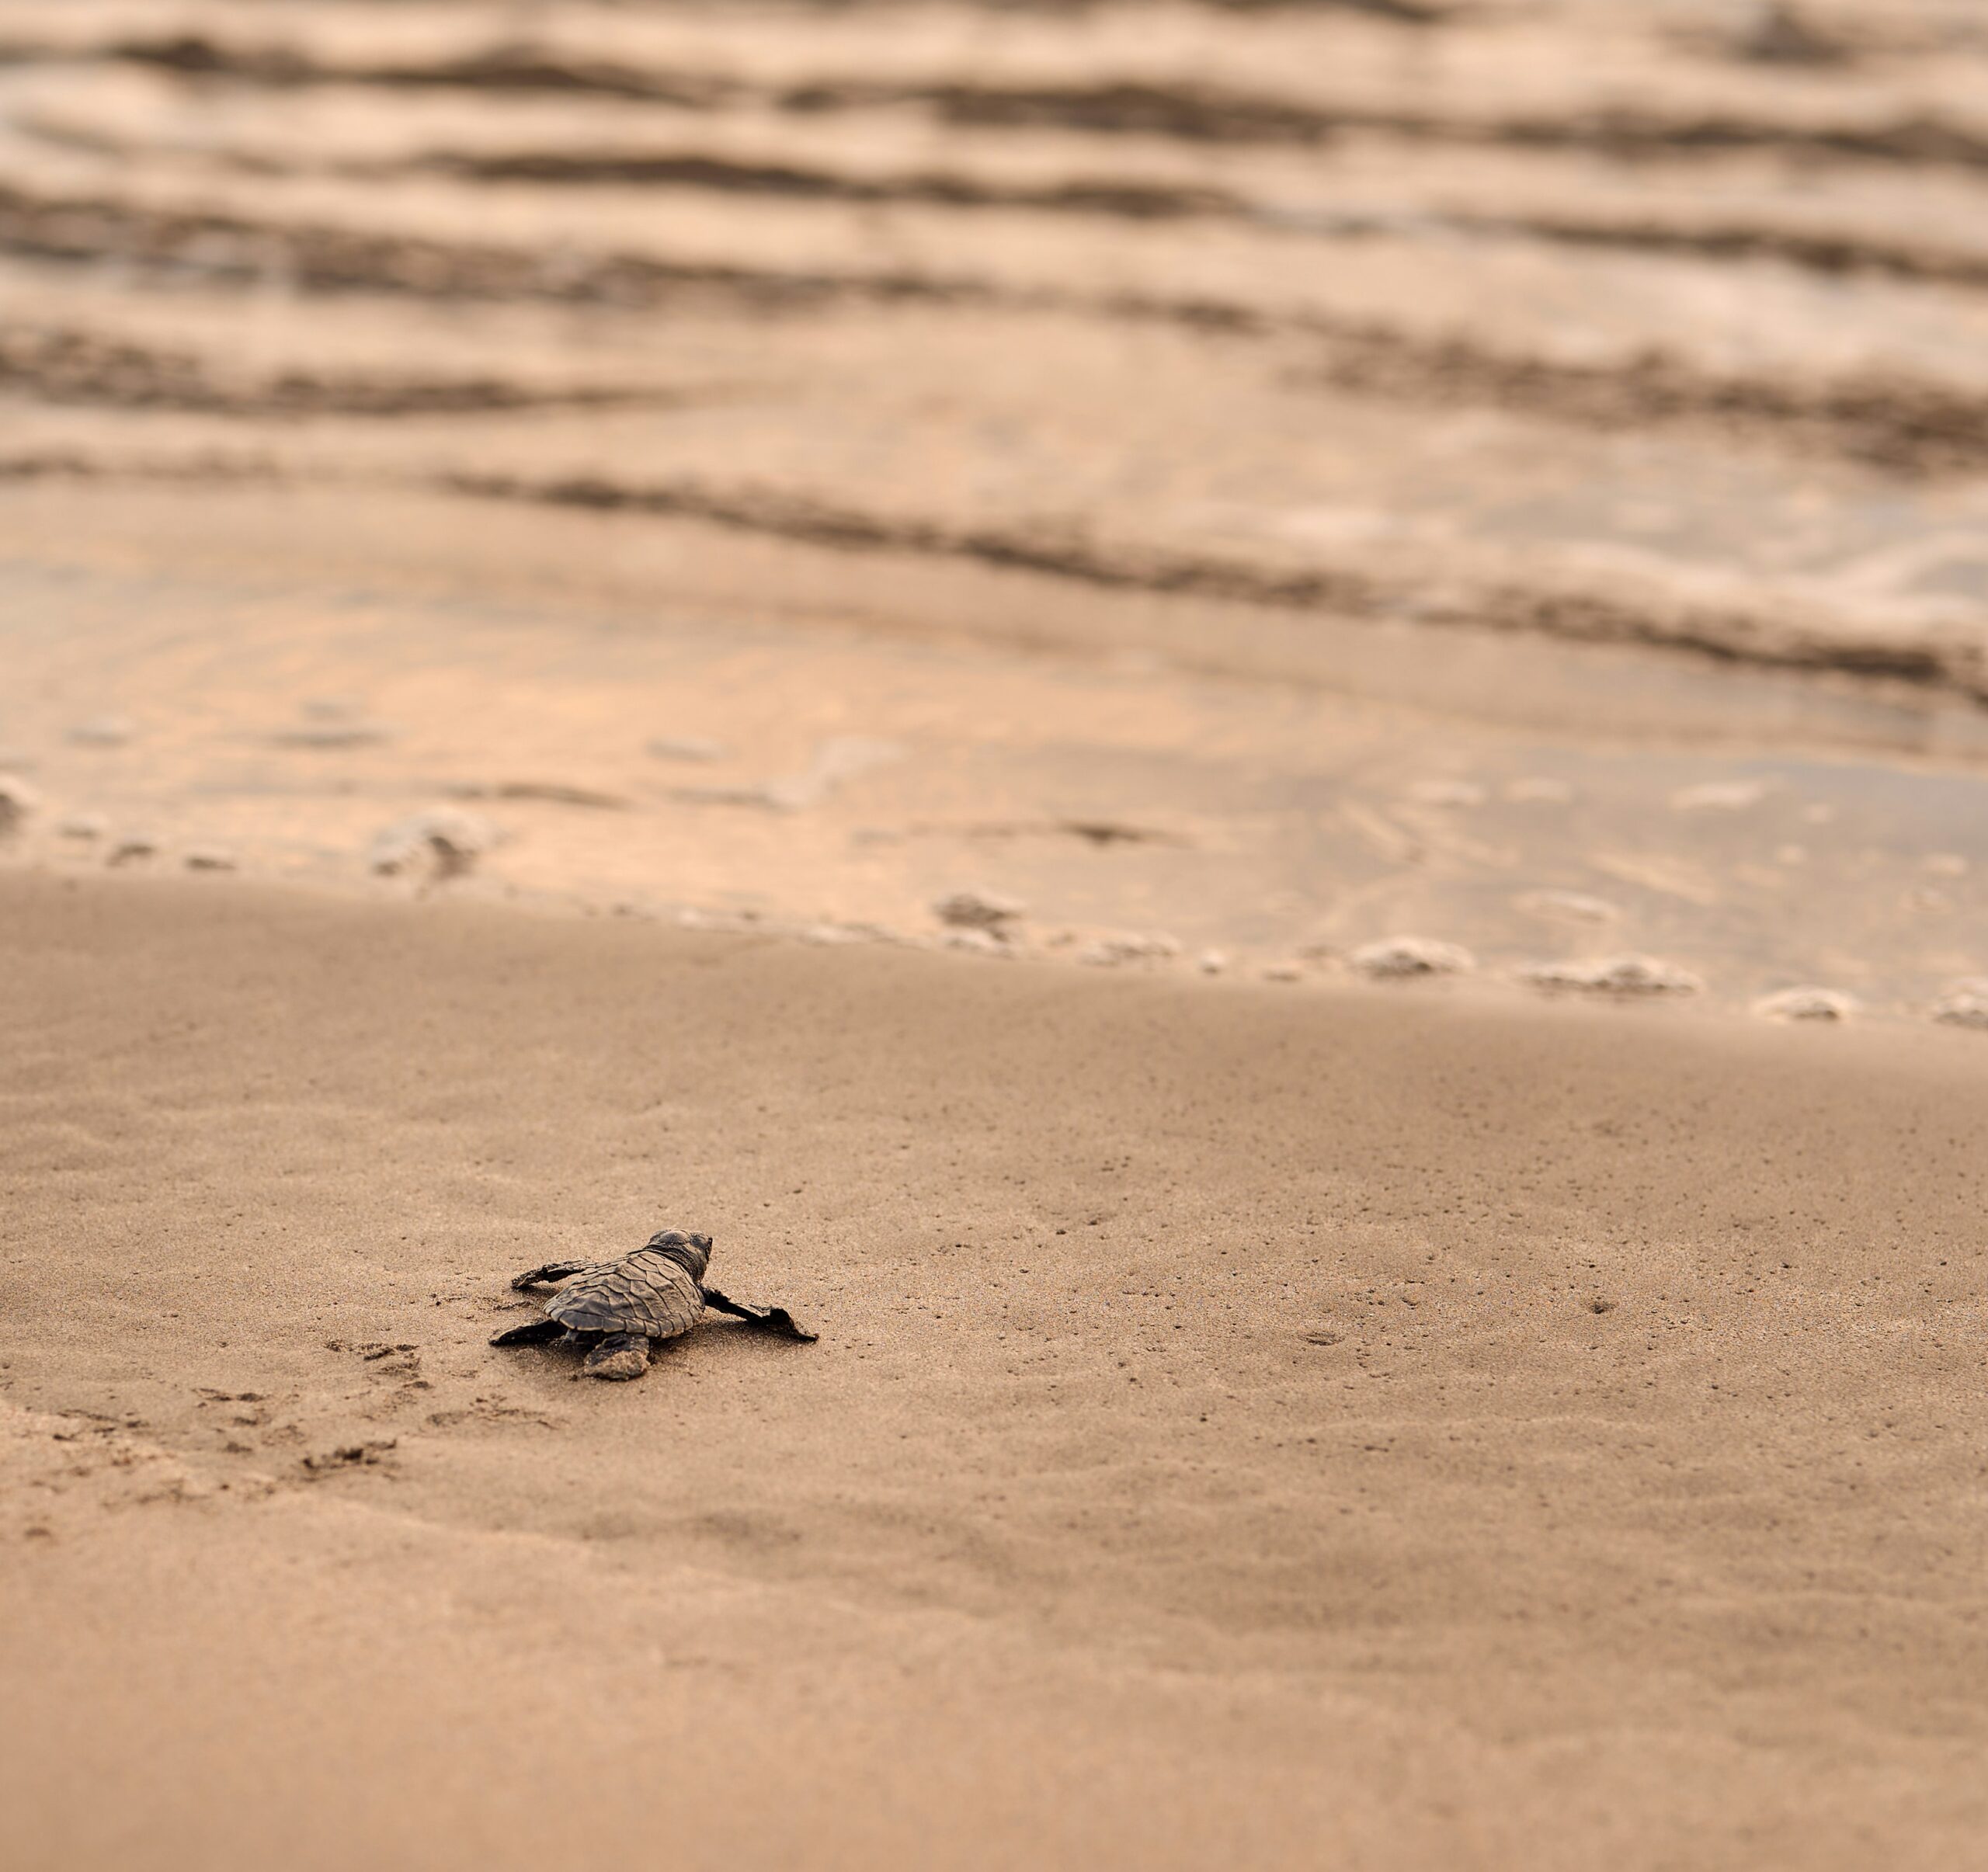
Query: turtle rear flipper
[533, 1332]
[552, 1271]
[619, 1355]
[776, 1320]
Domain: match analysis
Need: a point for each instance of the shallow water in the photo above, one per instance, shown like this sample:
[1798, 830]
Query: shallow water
[860, 776]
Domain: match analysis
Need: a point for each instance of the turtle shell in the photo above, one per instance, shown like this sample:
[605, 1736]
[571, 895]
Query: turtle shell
[647, 1292]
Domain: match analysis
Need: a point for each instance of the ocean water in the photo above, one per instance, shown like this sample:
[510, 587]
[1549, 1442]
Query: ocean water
[1258, 483]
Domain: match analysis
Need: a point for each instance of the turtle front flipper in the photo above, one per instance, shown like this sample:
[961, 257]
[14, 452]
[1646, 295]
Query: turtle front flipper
[619, 1355]
[552, 1271]
[533, 1332]
[776, 1320]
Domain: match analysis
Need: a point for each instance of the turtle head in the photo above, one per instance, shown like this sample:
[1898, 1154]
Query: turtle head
[692, 1253]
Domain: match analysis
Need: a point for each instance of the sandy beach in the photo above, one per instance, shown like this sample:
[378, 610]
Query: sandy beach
[1243, 1429]
[1249, 737]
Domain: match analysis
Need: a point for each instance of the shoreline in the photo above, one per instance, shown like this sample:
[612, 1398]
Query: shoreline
[1401, 967]
[727, 747]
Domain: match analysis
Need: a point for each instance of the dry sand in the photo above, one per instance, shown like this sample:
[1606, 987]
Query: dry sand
[1247, 1428]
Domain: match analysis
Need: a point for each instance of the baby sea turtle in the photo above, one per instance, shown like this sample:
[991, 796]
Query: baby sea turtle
[617, 1309]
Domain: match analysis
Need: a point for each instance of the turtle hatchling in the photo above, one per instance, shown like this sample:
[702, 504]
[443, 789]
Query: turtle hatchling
[617, 1310]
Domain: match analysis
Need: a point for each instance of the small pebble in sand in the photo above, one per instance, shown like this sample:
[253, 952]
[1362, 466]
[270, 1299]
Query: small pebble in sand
[208, 858]
[17, 800]
[1212, 962]
[102, 731]
[445, 839]
[1806, 1004]
[1720, 796]
[1398, 958]
[1536, 789]
[1964, 1004]
[1111, 951]
[1627, 976]
[132, 847]
[1945, 864]
[977, 942]
[686, 747]
[82, 825]
[1567, 907]
[1283, 972]
[979, 910]
[1447, 793]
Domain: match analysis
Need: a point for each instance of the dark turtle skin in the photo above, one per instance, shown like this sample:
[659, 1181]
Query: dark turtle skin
[619, 1310]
